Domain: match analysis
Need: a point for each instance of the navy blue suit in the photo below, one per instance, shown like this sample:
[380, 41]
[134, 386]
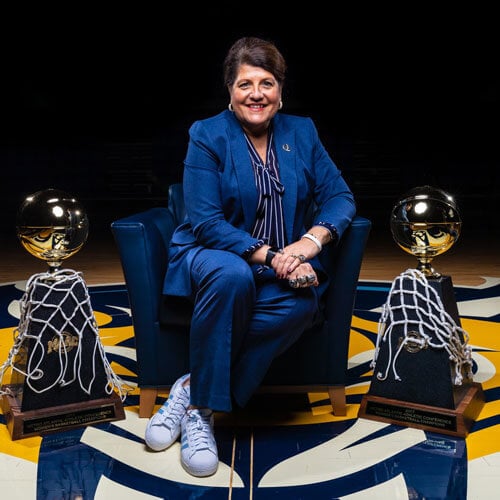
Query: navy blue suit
[242, 320]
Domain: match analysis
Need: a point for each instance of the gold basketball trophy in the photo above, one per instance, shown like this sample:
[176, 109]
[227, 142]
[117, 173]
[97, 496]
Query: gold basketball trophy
[60, 376]
[422, 365]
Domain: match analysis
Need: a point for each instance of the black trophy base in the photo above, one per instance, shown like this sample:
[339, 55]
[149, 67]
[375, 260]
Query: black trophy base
[454, 422]
[22, 424]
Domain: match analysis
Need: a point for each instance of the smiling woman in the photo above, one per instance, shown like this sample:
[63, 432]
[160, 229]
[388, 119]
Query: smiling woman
[252, 177]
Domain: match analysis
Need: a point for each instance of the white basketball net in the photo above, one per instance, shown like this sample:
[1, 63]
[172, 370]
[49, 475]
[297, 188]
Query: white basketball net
[424, 322]
[28, 306]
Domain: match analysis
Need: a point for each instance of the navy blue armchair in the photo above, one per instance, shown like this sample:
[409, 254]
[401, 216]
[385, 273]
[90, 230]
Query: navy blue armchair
[316, 363]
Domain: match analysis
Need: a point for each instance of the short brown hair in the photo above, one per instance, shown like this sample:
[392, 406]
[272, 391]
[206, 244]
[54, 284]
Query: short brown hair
[255, 52]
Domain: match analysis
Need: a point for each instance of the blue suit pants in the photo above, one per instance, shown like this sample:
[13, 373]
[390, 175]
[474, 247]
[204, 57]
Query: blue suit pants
[241, 321]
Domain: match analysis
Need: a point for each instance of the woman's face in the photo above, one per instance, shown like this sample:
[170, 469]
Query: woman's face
[255, 96]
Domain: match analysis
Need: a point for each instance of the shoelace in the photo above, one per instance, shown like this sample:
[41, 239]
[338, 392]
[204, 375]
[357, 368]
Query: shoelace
[173, 411]
[199, 430]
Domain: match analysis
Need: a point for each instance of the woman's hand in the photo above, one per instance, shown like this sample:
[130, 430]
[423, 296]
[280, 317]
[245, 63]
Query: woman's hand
[292, 266]
[291, 262]
[292, 257]
[303, 276]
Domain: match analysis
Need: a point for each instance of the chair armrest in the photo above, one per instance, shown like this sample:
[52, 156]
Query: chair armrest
[341, 294]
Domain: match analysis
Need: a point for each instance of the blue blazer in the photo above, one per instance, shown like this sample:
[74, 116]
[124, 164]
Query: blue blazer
[221, 197]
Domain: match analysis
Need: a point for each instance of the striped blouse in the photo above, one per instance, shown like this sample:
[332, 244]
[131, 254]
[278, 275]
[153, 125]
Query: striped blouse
[269, 225]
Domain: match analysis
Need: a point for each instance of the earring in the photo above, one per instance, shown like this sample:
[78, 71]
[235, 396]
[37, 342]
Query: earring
[230, 107]
[281, 104]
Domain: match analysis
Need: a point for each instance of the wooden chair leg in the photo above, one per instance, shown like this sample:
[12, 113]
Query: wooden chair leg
[147, 400]
[338, 400]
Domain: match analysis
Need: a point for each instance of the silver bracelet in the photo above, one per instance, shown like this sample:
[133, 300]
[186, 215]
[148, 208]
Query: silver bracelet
[313, 238]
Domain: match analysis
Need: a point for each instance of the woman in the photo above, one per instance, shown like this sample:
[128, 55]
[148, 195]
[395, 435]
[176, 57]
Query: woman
[244, 256]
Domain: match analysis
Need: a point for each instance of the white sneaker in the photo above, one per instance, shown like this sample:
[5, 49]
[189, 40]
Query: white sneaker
[164, 427]
[198, 448]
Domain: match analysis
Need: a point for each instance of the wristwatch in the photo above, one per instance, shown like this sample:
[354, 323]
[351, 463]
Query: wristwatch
[270, 256]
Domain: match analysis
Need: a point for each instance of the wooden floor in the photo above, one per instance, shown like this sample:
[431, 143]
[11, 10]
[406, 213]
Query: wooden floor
[471, 259]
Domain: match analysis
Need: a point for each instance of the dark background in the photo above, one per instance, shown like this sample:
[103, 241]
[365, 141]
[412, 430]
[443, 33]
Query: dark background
[98, 104]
